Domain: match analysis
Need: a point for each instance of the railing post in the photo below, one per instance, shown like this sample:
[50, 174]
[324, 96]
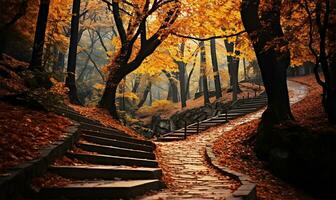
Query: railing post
[185, 129]
[226, 115]
[197, 126]
[248, 95]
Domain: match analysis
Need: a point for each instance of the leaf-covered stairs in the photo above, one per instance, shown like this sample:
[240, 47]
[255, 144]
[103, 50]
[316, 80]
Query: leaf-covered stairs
[239, 108]
[115, 164]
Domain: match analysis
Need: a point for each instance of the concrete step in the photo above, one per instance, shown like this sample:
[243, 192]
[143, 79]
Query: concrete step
[116, 151]
[106, 172]
[88, 126]
[116, 143]
[112, 160]
[117, 137]
[101, 189]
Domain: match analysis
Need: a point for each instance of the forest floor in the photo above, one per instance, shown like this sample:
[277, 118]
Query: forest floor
[235, 149]
[24, 132]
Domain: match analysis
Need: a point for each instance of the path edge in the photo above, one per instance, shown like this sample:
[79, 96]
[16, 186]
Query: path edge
[21, 176]
[246, 191]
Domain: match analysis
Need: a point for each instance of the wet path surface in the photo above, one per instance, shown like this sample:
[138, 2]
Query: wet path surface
[184, 161]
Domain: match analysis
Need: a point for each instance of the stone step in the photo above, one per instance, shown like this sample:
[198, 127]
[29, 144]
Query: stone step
[242, 110]
[228, 118]
[112, 160]
[88, 126]
[117, 137]
[101, 189]
[190, 131]
[220, 121]
[214, 122]
[195, 128]
[116, 151]
[170, 139]
[248, 105]
[230, 114]
[106, 172]
[77, 117]
[116, 143]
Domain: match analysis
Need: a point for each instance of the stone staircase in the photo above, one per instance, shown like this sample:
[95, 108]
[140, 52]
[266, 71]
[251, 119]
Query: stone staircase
[116, 165]
[239, 108]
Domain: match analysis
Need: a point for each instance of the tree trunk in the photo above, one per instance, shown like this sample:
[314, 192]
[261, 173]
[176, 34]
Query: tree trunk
[145, 94]
[136, 83]
[273, 64]
[229, 49]
[173, 90]
[204, 79]
[108, 100]
[182, 78]
[41, 25]
[215, 68]
[245, 70]
[70, 80]
[233, 66]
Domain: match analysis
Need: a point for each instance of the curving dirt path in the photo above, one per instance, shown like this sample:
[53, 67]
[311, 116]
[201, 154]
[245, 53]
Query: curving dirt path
[185, 164]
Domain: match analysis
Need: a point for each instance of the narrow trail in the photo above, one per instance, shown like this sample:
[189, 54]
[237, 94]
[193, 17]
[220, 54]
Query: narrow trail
[184, 160]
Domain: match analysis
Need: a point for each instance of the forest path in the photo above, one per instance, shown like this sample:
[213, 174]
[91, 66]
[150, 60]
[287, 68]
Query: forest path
[184, 161]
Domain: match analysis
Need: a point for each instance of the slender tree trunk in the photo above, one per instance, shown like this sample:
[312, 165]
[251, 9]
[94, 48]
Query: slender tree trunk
[150, 97]
[273, 64]
[245, 70]
[204, 78]
[145, 94]
[41, 25]
[229, 49]
[215, 68]
[182, 78]
[70, 80]
[136, 83]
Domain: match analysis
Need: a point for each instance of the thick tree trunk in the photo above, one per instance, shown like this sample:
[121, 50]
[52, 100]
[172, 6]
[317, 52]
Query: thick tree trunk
[273, 64]
[204, 79]
[218, 87]
[41, 25]
[173, 90]
[108, 100]
[70, 80]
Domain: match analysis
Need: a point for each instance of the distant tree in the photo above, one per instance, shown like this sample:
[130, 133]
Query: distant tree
[218, 87]
[203, 74]
[125, 60]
